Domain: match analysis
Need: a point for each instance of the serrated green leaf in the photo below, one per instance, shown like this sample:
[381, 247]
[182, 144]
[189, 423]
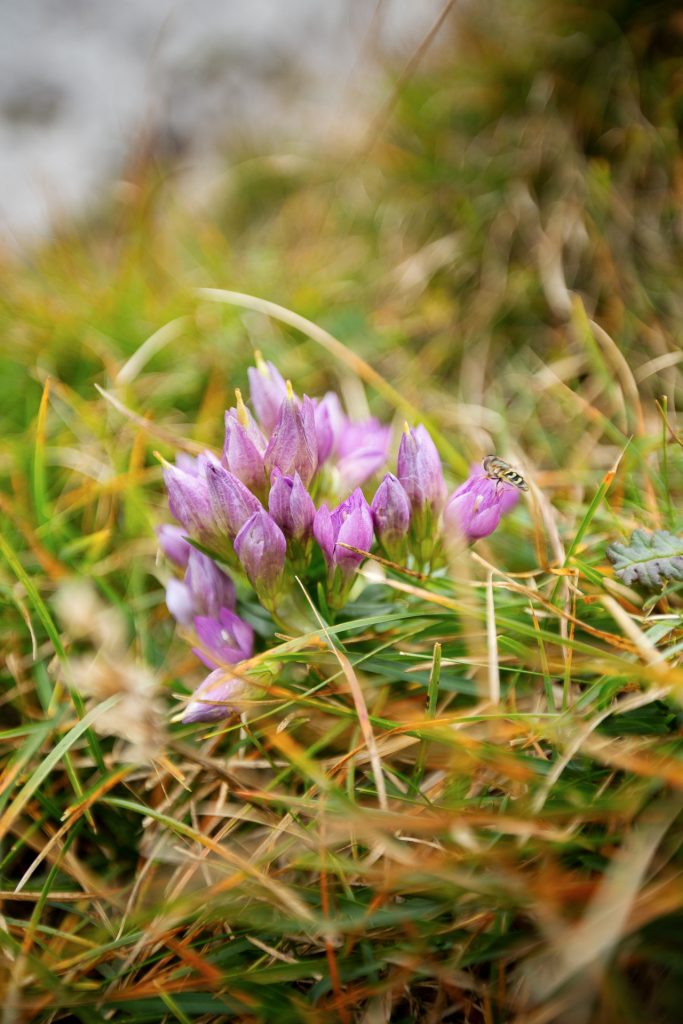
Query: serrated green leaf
[648, 558]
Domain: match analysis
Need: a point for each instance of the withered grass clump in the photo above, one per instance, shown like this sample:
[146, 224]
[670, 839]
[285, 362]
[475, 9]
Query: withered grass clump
[460, 801]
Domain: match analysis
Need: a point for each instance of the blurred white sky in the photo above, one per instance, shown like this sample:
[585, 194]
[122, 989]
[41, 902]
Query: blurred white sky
[80, 80]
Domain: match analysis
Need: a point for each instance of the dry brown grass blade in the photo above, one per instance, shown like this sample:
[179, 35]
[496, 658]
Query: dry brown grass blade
[633, 757]
[32, 897]
[374, 557]
[623, 372]
[211, 975]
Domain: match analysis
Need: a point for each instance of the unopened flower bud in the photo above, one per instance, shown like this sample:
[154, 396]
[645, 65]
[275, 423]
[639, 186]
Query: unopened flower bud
[204, 591]
[419, 470]
[420, 473]
[180, 602]
[240, 413]
[189, 502]
[173, 544]
[350, 523]
[241, 453]
[261, 548]
[188, 464]
[329, 425]
[195, 465]
[268, 392]
[291, 506]
[293, 446]
[231, 502]
[213, 588]
[391, 515]
[214, 697]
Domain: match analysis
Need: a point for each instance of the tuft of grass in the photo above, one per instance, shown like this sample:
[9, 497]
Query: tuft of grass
[500, 838]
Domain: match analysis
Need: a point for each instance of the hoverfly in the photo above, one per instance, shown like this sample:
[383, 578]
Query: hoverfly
[498, 469]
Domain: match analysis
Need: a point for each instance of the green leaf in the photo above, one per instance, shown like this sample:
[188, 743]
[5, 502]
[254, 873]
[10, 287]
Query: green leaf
[648, 558]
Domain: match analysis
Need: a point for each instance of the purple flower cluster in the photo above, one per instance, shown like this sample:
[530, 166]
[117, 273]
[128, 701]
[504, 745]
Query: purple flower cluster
[289, 482]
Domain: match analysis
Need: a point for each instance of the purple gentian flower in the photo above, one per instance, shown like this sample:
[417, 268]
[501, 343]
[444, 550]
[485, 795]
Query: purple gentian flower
[268, 392]
[261, 548]
[362, 450]
[212, 700]
[330, 423]
[190, 502]
[349, 523]
[360, 434]
[293, 446]
[475, 509]
[244, 448]
[224, 639]
[173, 544]
[212, 587]
[231, 502]
[204, 591]
[188, 464]
[195, 466]
[420, 472]
[243, 416]
[391, 515]
[291, 506]
[180, 602]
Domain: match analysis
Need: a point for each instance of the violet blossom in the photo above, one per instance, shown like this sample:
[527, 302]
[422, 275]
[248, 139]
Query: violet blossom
[475, 509]
[225, 638]
[293, 445]
[391, 516]
[295, 452]
[362, 450]
[261, 548]
[359, 448]
[244, 447]
[419, 470]
[190, 502]
[329, 425]
[268, 392]
[213, 699]
[173, 544]
[204, 590]
[180, 602]
[231, 501]
[350, 523]
[291, 506]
